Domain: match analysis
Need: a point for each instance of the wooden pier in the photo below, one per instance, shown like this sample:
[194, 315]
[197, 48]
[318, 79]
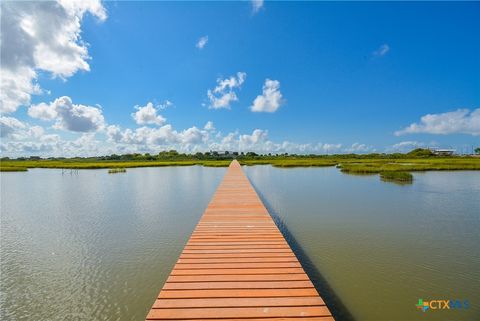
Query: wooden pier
[237, 266]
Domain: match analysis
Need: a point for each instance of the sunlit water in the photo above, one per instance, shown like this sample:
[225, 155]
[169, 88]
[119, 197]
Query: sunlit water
[98, 246]
[381, 246]
[95, 246]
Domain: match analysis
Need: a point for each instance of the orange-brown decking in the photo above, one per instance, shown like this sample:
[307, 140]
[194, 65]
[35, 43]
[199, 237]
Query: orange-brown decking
[237, 266]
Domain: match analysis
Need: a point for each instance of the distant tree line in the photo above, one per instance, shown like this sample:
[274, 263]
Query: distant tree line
[173, 155]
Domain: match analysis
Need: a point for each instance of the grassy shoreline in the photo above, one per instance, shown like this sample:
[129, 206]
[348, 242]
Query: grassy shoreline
[390, 169]
[16, 165]
[397, 177]
[354, 165]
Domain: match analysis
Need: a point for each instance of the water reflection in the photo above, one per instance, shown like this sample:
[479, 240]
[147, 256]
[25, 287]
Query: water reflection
[95, 246]
[380, 247]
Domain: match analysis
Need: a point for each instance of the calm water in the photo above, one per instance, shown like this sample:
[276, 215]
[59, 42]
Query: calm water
[382, 246]
[95, 246]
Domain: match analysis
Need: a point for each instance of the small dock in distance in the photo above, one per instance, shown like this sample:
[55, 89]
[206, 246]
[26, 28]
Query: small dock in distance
[238, 266]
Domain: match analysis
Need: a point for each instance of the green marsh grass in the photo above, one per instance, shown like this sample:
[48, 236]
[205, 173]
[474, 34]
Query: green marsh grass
[349, 164]
[116, 170]
[295, 162]
[13, 169]
[400, 177]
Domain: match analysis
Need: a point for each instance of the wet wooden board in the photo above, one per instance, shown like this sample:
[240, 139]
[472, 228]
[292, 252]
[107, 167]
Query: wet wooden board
[237, 266]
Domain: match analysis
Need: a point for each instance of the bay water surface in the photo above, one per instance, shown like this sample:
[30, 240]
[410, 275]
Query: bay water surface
[98, 246]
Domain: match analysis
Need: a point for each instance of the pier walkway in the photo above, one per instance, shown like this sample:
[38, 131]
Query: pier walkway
[237, 266]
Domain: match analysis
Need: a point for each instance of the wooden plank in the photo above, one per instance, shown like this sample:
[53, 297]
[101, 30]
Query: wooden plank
[237, 302]
[225, 251]
[215, 243]
[254, 265]
[236, 247]
[323, 318]
[236, 255]
[239, 285]
[238, 266]
[250, 312]
[237, 277]
[238, 293]
[240, 260]
[238, 271]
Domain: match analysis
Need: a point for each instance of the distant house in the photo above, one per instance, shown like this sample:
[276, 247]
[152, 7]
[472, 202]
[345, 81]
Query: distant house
[221, 154]
[443, 152]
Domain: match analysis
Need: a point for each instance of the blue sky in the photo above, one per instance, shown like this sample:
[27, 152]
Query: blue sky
[321, 77]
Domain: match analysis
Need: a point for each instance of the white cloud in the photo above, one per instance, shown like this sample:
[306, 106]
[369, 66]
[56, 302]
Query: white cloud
[166, 104]
[359, 148]
[16, 87]
[202, 42]
[114, 133]
[69, 116]
[41, 36]
[461, 121]
[256, 5]
[161, 136]
[209, 126]
[9, 125]
[270, 99]
[43, 111]
[14, 129]
[21, 139]
[405, 146]
[80, 7]
[382, 50]
[223, 94]
[148, 115]
[194, 139]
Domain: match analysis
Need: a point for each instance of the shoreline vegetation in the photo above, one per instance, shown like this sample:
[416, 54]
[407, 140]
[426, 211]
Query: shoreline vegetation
[117, 170]
[396, 177]
[391, 167]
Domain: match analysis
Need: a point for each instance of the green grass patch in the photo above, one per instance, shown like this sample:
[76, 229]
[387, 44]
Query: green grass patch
[83, 164]
[372, 166]
[216, 163]
[13, 169]
[350, 164]
[116, 170]
[291, 162]
[401, 177]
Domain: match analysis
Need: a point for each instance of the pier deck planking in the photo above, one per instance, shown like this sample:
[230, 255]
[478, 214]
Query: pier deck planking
[237, 266]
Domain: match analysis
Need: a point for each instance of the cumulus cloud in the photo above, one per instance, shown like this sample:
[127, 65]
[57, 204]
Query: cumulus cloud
[461, 121]
[97, 138]
[53, 145]
[16, 87]
[43, 111]
[41, 36]
[160, 136]
[270, 99]
[69, 116]
[256, 5]
[148, 115]
[22, 141]
[9, 125]
[359, 148]
[165, 104]
[382, 50]
[223, 94]
[209, 126]
[195, 139]
[14, 129]
[202, 42]
[405, 146]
